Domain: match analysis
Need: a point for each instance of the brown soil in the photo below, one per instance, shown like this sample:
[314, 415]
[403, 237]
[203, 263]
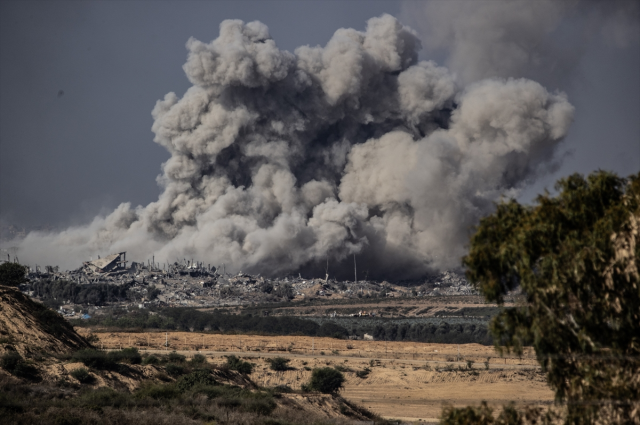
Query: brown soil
[408, 380]
[29, 327]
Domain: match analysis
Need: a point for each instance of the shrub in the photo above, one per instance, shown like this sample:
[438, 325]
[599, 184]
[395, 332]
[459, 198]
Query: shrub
[199, 377]
[13, 363]
[261, 407]
[211, 391]
[82, 375]
[174, 369]
[92, 338]
[176, 358]
[234, 363]
[326, 380]
[229, 403]
[151, 360]
[198, 359]
[363, 374]
[10, 361]
[94, 359]
[12, 274]
[103, 397]
[162, 391]
[279, 363]
[342, 368]
[128, 355]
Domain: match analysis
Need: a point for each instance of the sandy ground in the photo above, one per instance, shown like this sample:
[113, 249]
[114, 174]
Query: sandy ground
[410, 381]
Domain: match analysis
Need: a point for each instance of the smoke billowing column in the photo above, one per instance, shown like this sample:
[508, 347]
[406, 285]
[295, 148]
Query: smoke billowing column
[281, 160]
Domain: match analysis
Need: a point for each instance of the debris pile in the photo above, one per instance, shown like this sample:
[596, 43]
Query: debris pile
[196, 284]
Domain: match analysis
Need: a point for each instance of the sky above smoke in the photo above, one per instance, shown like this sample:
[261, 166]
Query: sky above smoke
[286, 154]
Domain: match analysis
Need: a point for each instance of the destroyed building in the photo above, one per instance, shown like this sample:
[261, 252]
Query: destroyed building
[110, 264]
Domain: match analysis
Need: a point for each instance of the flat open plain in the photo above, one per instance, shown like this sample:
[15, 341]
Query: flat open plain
[408, 380]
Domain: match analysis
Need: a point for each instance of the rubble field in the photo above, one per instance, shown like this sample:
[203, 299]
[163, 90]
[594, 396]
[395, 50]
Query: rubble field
[112, 280]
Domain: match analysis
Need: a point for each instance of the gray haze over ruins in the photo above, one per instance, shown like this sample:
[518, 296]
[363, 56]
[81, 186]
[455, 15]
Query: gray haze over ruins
[296, 140]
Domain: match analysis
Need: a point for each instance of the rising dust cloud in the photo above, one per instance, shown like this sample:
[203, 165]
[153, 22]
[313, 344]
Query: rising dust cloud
[281, 161]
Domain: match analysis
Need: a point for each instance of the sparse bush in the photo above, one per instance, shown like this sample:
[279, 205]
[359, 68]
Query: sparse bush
[198, 359]
[198, 377]
[150, 360]
[363, 374]
[176, 358]
[342, 368]
[162, 391]
[174, 369]
[234, 363]
[279, 364]
[261, 406]
[103, 397]
[13, 363]
[127, 355]
[470, 364]
[326, 380]
[92, 338]
[82, 375]
[107, 361]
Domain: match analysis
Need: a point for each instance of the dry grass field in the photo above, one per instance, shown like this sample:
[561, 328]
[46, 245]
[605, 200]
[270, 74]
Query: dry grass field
[410, 381]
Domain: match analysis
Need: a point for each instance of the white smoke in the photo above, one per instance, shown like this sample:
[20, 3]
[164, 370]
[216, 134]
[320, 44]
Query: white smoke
[541, 39]
[280, 161]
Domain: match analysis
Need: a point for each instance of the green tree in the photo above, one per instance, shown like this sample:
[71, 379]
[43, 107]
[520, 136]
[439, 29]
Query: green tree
[12, 274]
[326, 380]
[574, 255]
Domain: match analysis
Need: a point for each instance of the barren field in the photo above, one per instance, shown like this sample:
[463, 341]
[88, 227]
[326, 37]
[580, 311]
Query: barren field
[410, 381]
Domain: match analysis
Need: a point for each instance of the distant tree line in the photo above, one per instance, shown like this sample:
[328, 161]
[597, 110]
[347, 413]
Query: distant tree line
[442, 333]
[186, 319]
[94, 294]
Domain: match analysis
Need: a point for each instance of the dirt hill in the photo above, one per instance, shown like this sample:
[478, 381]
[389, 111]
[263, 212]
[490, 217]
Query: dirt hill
[29, 327]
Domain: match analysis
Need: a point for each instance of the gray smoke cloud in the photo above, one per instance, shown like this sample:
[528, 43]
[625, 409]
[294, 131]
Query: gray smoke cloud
[542, 39]
[280, 161]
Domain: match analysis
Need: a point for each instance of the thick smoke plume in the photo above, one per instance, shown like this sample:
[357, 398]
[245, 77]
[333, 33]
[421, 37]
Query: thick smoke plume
[281, 161]
[543, 39]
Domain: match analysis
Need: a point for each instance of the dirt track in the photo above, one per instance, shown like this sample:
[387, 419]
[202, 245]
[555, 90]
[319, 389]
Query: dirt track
[403, 382]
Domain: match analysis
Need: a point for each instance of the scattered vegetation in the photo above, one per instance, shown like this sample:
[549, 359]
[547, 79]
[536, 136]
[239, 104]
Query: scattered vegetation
[279, 363]
[111, 360]
[364, 373]
[234, 363]
[13, 363]
[82, 375]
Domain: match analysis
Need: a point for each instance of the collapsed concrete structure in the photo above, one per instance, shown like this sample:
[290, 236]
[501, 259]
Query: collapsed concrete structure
[114, 263]
[194, 283]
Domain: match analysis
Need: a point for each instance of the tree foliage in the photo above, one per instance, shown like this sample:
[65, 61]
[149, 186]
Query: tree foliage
[574, 255]
[12, 274]
[326, 380]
